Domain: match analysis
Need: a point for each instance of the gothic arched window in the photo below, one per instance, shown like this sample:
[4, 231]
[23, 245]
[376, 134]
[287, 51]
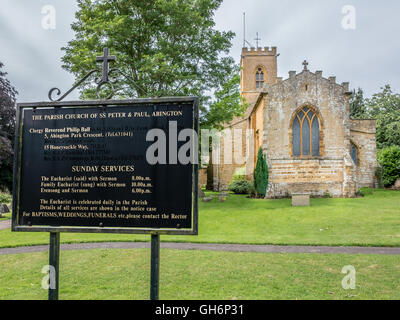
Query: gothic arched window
[306, 133]
[354, 153]
[259, 78]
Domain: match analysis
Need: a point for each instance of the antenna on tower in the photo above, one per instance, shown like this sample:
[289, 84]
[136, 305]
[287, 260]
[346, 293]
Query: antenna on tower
[244, 31]
[257, 39]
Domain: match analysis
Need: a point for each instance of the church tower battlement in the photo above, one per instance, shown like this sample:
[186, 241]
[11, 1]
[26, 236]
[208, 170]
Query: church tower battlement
[266, 50]
[258, 67]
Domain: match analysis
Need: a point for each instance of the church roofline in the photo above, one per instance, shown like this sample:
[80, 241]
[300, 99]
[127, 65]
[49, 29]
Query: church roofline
[294, 74]
[249, 111]
[255, 104]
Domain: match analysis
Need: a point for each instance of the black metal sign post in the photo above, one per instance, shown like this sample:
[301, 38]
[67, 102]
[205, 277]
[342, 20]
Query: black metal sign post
[54, 262]
[155, 267]
[82, 167]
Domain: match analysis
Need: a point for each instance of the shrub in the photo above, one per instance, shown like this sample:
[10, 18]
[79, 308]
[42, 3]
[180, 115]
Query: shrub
[261, 175]
[5, 198]
[241, 186]
[364, 192]
[389, 159]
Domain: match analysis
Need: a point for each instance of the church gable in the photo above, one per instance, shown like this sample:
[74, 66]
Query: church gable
[325, 97]
[307, 136]
[310, 87]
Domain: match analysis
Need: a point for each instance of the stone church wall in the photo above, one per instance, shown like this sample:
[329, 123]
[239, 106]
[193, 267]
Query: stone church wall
[202, 177]
[223, 173]
[317, 177]
[252, 59]
[363, 135]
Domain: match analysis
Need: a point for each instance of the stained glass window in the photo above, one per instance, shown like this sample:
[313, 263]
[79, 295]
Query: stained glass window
[306, 134]
[296, 137]
[315, 137]
[354, 153]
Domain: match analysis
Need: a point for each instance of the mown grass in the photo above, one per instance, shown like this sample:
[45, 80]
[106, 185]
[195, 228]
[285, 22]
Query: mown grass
[373, 220]
[6, 216]
[197, 275]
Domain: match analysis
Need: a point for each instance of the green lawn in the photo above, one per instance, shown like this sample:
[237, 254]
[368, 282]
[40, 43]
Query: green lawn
[6, 216]
[124, 274]
[373, 220]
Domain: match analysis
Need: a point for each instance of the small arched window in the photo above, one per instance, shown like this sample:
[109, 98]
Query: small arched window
[306, 134]
[354, 153]
[259, 78]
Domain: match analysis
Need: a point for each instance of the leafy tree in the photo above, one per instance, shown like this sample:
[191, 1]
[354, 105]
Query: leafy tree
[228, 104]
[261, 175]
[7, 128]
[385, 108]
[389, 159]
[358, 108]
[163, 48]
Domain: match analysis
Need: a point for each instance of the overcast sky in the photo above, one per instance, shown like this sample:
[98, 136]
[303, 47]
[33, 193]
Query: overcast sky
[367, 56]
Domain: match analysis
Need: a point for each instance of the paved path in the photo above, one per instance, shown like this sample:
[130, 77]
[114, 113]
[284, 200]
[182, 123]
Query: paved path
[201, 246]
[5, 224]
[212, 247]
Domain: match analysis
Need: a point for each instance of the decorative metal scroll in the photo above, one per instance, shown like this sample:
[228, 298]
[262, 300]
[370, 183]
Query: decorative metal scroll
[105, 79]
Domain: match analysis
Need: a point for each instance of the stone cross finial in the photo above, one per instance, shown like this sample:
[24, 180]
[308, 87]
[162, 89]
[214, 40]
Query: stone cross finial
[305, 64]
[106, 58]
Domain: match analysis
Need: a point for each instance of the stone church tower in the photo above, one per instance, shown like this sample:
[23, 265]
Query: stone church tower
[304, 128]
[257, 68]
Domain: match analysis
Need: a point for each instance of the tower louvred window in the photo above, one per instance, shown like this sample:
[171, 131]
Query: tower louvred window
[259, 78]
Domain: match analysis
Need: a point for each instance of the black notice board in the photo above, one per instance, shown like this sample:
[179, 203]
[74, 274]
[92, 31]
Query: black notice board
[83, 167]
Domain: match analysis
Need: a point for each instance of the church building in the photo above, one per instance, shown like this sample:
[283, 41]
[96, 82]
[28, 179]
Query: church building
[304, 128]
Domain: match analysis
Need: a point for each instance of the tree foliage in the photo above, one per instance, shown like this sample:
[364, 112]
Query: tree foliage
[389, 159]
[261, 175]
[7, 127]
[358, 109]
[385, 108]
[227, 105]
[163, 48]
